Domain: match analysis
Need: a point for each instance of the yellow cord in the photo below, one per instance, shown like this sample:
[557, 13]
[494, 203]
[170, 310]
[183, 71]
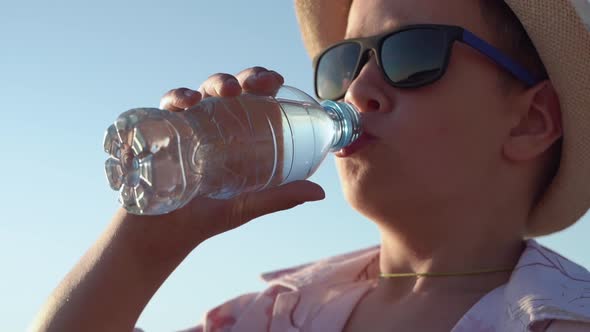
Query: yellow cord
[434, 274]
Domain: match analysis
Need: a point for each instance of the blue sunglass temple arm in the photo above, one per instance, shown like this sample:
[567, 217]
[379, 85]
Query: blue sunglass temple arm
[497, 56]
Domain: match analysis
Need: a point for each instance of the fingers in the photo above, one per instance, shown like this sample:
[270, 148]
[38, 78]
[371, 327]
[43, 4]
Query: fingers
[260, 81]
[255, 80]
[209, 217]
[179, 99]
[253, 205]
[220, 85]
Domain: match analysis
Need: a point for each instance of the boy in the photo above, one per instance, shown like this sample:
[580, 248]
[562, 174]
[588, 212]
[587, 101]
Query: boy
[463, 135]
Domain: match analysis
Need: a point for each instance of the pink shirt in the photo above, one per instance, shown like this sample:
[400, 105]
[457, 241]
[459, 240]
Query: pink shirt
[546, 292]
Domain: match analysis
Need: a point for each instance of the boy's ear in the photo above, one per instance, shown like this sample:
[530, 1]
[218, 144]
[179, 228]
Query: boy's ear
[537, 123]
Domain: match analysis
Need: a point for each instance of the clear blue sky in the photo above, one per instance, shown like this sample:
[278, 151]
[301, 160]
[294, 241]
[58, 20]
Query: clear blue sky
[68, 68]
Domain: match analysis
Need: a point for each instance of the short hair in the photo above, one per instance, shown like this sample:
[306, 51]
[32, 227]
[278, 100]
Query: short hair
[511, 36]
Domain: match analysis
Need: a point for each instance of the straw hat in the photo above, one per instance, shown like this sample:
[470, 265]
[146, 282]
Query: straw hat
[560, 31]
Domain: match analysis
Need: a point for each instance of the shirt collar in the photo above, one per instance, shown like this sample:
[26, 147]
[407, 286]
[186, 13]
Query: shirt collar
[543, 286]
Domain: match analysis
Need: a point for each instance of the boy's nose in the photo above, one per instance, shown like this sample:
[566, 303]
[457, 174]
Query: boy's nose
[367, 90]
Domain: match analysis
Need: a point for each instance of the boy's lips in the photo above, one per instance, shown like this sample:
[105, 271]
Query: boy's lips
[362, 141]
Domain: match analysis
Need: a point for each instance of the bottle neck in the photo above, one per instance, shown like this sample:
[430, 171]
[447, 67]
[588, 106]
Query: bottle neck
[347, 121]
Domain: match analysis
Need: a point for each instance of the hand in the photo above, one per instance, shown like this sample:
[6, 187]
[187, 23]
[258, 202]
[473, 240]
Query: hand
[203, 217]
[108, 289]
[256, 80]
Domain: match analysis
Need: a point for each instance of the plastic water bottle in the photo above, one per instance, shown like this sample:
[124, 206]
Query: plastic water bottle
[160, 160]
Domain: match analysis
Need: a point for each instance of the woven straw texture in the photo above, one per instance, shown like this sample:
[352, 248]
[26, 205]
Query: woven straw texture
[563, 41]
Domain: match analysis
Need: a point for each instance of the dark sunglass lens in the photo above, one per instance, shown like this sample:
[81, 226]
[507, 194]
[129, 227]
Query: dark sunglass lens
[335, 70]
[414, 57]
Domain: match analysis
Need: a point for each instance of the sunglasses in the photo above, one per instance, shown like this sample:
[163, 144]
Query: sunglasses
[410, 57]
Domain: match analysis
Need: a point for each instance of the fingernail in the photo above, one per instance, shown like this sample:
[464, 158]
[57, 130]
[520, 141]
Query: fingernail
[189, 92]
[232, 82]
[278, 76]
[263, 74]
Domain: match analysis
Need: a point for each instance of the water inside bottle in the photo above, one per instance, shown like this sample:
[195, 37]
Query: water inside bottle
[159, 160]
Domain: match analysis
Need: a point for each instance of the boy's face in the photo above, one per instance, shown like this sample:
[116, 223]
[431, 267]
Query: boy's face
[438, 145]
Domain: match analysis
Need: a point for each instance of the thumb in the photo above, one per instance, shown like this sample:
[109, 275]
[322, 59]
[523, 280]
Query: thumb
[280, 198]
